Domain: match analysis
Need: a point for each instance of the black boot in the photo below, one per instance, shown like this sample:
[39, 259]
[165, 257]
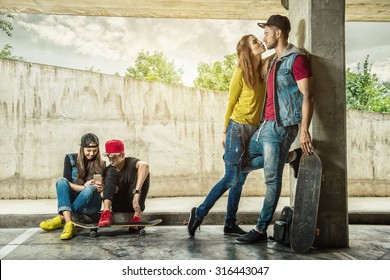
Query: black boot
[193, 223]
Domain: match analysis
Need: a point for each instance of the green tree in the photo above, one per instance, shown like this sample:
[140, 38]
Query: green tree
[6, 26]
[387, 87]
[155, 67]
[217, 75]
[92, 69]
[364, 92]
[6, 52]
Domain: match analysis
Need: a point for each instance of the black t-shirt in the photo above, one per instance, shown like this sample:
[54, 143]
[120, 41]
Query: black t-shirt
[126, 180]
[128, 175]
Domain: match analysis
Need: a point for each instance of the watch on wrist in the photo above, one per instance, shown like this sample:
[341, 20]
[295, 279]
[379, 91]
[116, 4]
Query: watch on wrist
[135, 191]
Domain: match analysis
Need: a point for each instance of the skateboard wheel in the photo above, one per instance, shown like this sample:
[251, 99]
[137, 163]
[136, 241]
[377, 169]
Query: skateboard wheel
[318, 232]
[93, 233]
[142, 232]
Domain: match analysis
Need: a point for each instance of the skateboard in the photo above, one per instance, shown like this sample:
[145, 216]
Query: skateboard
[91, 223]
[307, 193]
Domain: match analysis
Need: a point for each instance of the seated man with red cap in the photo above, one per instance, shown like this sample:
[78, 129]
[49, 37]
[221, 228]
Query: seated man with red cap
[126, 184]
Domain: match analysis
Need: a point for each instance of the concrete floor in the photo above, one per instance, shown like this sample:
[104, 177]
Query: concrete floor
[21, 239]
[25, 252]
[367, 242]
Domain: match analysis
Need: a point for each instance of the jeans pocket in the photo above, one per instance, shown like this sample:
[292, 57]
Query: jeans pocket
[291, 135]
[280, 131]
[234, 146]
[234, 129]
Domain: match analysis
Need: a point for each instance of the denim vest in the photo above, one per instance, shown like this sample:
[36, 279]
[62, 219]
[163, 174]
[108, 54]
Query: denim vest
[288, 108]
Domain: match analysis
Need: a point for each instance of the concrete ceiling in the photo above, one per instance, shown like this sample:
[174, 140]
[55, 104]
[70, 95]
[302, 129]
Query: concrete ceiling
[356, 10]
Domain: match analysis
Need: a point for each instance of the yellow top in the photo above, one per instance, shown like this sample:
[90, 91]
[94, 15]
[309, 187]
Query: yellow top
[244, 103]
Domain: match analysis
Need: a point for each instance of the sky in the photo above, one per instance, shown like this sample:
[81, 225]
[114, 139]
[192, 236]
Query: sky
[111, 44]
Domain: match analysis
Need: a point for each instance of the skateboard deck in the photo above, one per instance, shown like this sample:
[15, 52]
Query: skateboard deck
[307, 193]
[91, 223]
[127, 224]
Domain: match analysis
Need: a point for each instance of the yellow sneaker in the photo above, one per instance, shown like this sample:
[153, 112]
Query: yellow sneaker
[52, 224]
[69, 231]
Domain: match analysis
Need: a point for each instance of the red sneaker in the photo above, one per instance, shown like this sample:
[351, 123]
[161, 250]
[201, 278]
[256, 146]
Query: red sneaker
[135, 219]
[105, 219]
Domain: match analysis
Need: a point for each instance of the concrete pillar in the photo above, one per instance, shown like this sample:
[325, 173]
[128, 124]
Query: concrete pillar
[318, 26]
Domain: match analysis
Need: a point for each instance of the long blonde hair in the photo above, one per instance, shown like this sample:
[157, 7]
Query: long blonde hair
[95, 166]
[244, 54]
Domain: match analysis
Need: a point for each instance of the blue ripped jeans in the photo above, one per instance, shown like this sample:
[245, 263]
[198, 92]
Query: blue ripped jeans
[87, 201]
[268, 149]
[236, 142]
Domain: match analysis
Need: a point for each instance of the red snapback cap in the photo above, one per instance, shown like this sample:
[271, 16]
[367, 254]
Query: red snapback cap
[114, 147]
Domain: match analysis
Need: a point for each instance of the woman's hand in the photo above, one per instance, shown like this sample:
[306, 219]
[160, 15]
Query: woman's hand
[98, 186]
[88, 183]
[80, 188]
[223, 141]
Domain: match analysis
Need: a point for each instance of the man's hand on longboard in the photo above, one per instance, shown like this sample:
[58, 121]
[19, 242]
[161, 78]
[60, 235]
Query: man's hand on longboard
[306, 144]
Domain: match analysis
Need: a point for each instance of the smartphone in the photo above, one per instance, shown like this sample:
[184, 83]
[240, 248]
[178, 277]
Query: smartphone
[97, 178]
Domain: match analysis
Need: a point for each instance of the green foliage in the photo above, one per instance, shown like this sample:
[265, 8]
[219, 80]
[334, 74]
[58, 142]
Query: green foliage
[6, 52]
[364, 92]
[92, 69]
[5, 24]
[155, 67]
[216, 76]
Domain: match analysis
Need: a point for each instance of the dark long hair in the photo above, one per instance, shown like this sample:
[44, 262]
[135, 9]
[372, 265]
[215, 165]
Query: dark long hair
[85, 172]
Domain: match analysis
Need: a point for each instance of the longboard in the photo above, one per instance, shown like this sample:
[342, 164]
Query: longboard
[307, 193]
[93, 227]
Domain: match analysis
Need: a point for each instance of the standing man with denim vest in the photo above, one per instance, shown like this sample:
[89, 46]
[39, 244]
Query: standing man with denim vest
[289, 102]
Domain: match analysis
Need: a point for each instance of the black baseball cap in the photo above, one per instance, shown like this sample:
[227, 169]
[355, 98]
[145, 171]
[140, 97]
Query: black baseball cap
[89, 140]
[279, 21]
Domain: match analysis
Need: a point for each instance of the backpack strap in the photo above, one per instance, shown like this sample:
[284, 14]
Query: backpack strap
[74, 168]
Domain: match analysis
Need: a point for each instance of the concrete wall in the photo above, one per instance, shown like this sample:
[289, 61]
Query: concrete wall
[177, 130]
[368, 147]
[45, 110]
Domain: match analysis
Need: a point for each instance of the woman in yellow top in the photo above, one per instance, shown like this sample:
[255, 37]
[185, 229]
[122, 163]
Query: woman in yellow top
[245, 102]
